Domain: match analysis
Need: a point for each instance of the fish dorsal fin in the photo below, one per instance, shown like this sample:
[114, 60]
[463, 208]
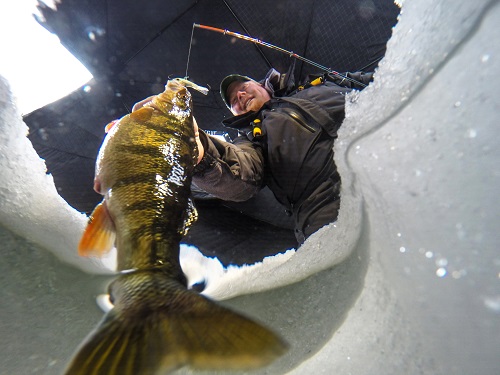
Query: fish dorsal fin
[99, 235]
[142, 114]
[191, 217]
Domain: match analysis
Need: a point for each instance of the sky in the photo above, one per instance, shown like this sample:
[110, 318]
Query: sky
[39, 69]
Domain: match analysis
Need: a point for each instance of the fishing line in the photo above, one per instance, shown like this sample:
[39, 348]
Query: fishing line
[189, 53]
[311, 17]
[279, 49]
[160, 33]
[247, 32]
[371, 63]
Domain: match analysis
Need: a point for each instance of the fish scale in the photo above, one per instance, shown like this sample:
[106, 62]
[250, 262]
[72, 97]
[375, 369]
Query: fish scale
[144, 170]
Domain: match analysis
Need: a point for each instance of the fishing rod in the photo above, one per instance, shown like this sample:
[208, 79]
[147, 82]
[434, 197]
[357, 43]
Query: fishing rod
[276, 48]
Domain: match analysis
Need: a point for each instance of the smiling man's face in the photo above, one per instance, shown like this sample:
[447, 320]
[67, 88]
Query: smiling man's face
[246, 96]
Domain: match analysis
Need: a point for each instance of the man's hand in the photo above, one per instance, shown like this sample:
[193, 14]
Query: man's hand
[149, 102]
[142, 103]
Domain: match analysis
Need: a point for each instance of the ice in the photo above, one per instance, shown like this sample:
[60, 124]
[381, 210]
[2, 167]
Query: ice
[29, 203]
[431, 120]
[416, 286]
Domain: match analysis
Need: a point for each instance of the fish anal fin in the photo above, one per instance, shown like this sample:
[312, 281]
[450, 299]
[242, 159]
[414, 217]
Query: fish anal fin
[99, 235]
[142, 114]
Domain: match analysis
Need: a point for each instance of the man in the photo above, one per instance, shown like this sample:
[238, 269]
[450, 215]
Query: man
[286, 142]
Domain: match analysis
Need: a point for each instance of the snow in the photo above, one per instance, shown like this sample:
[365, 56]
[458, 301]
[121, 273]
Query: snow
[415, 288]
[29, 203]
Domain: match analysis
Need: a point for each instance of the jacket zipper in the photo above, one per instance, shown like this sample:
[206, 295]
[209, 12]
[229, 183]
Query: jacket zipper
[300, 120]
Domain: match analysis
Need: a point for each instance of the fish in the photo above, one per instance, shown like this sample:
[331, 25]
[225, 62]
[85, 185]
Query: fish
[157, 325]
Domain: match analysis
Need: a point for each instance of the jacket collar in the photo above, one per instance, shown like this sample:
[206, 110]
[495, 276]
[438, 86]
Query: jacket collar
[241, 122]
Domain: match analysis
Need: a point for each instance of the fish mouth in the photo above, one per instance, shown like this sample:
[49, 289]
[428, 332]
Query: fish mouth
[177, 87]
[192, 85]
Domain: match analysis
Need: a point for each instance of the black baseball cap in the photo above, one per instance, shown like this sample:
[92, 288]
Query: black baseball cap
[227, 81]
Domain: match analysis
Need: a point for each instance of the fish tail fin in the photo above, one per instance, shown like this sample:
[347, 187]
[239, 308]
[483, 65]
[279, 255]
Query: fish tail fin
[170, 327]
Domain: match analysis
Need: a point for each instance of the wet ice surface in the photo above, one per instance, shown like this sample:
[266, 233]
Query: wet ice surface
[417, 292]
[47, 308]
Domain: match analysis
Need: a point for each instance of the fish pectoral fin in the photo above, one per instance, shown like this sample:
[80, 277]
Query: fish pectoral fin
[142, 114]
[99, 235]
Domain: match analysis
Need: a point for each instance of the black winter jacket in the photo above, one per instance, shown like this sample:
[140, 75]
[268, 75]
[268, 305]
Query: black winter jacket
[293, 155]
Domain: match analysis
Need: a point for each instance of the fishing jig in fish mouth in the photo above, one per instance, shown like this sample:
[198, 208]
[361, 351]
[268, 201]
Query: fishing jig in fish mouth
[193, 85]
[144, 170]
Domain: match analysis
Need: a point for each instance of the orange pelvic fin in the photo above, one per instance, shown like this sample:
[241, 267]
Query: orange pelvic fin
[99, 236]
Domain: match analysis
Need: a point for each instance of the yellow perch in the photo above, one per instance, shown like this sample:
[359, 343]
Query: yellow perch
[144, 170]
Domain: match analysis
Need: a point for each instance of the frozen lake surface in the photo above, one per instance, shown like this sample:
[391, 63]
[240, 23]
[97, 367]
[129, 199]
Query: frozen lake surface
[416, 286]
